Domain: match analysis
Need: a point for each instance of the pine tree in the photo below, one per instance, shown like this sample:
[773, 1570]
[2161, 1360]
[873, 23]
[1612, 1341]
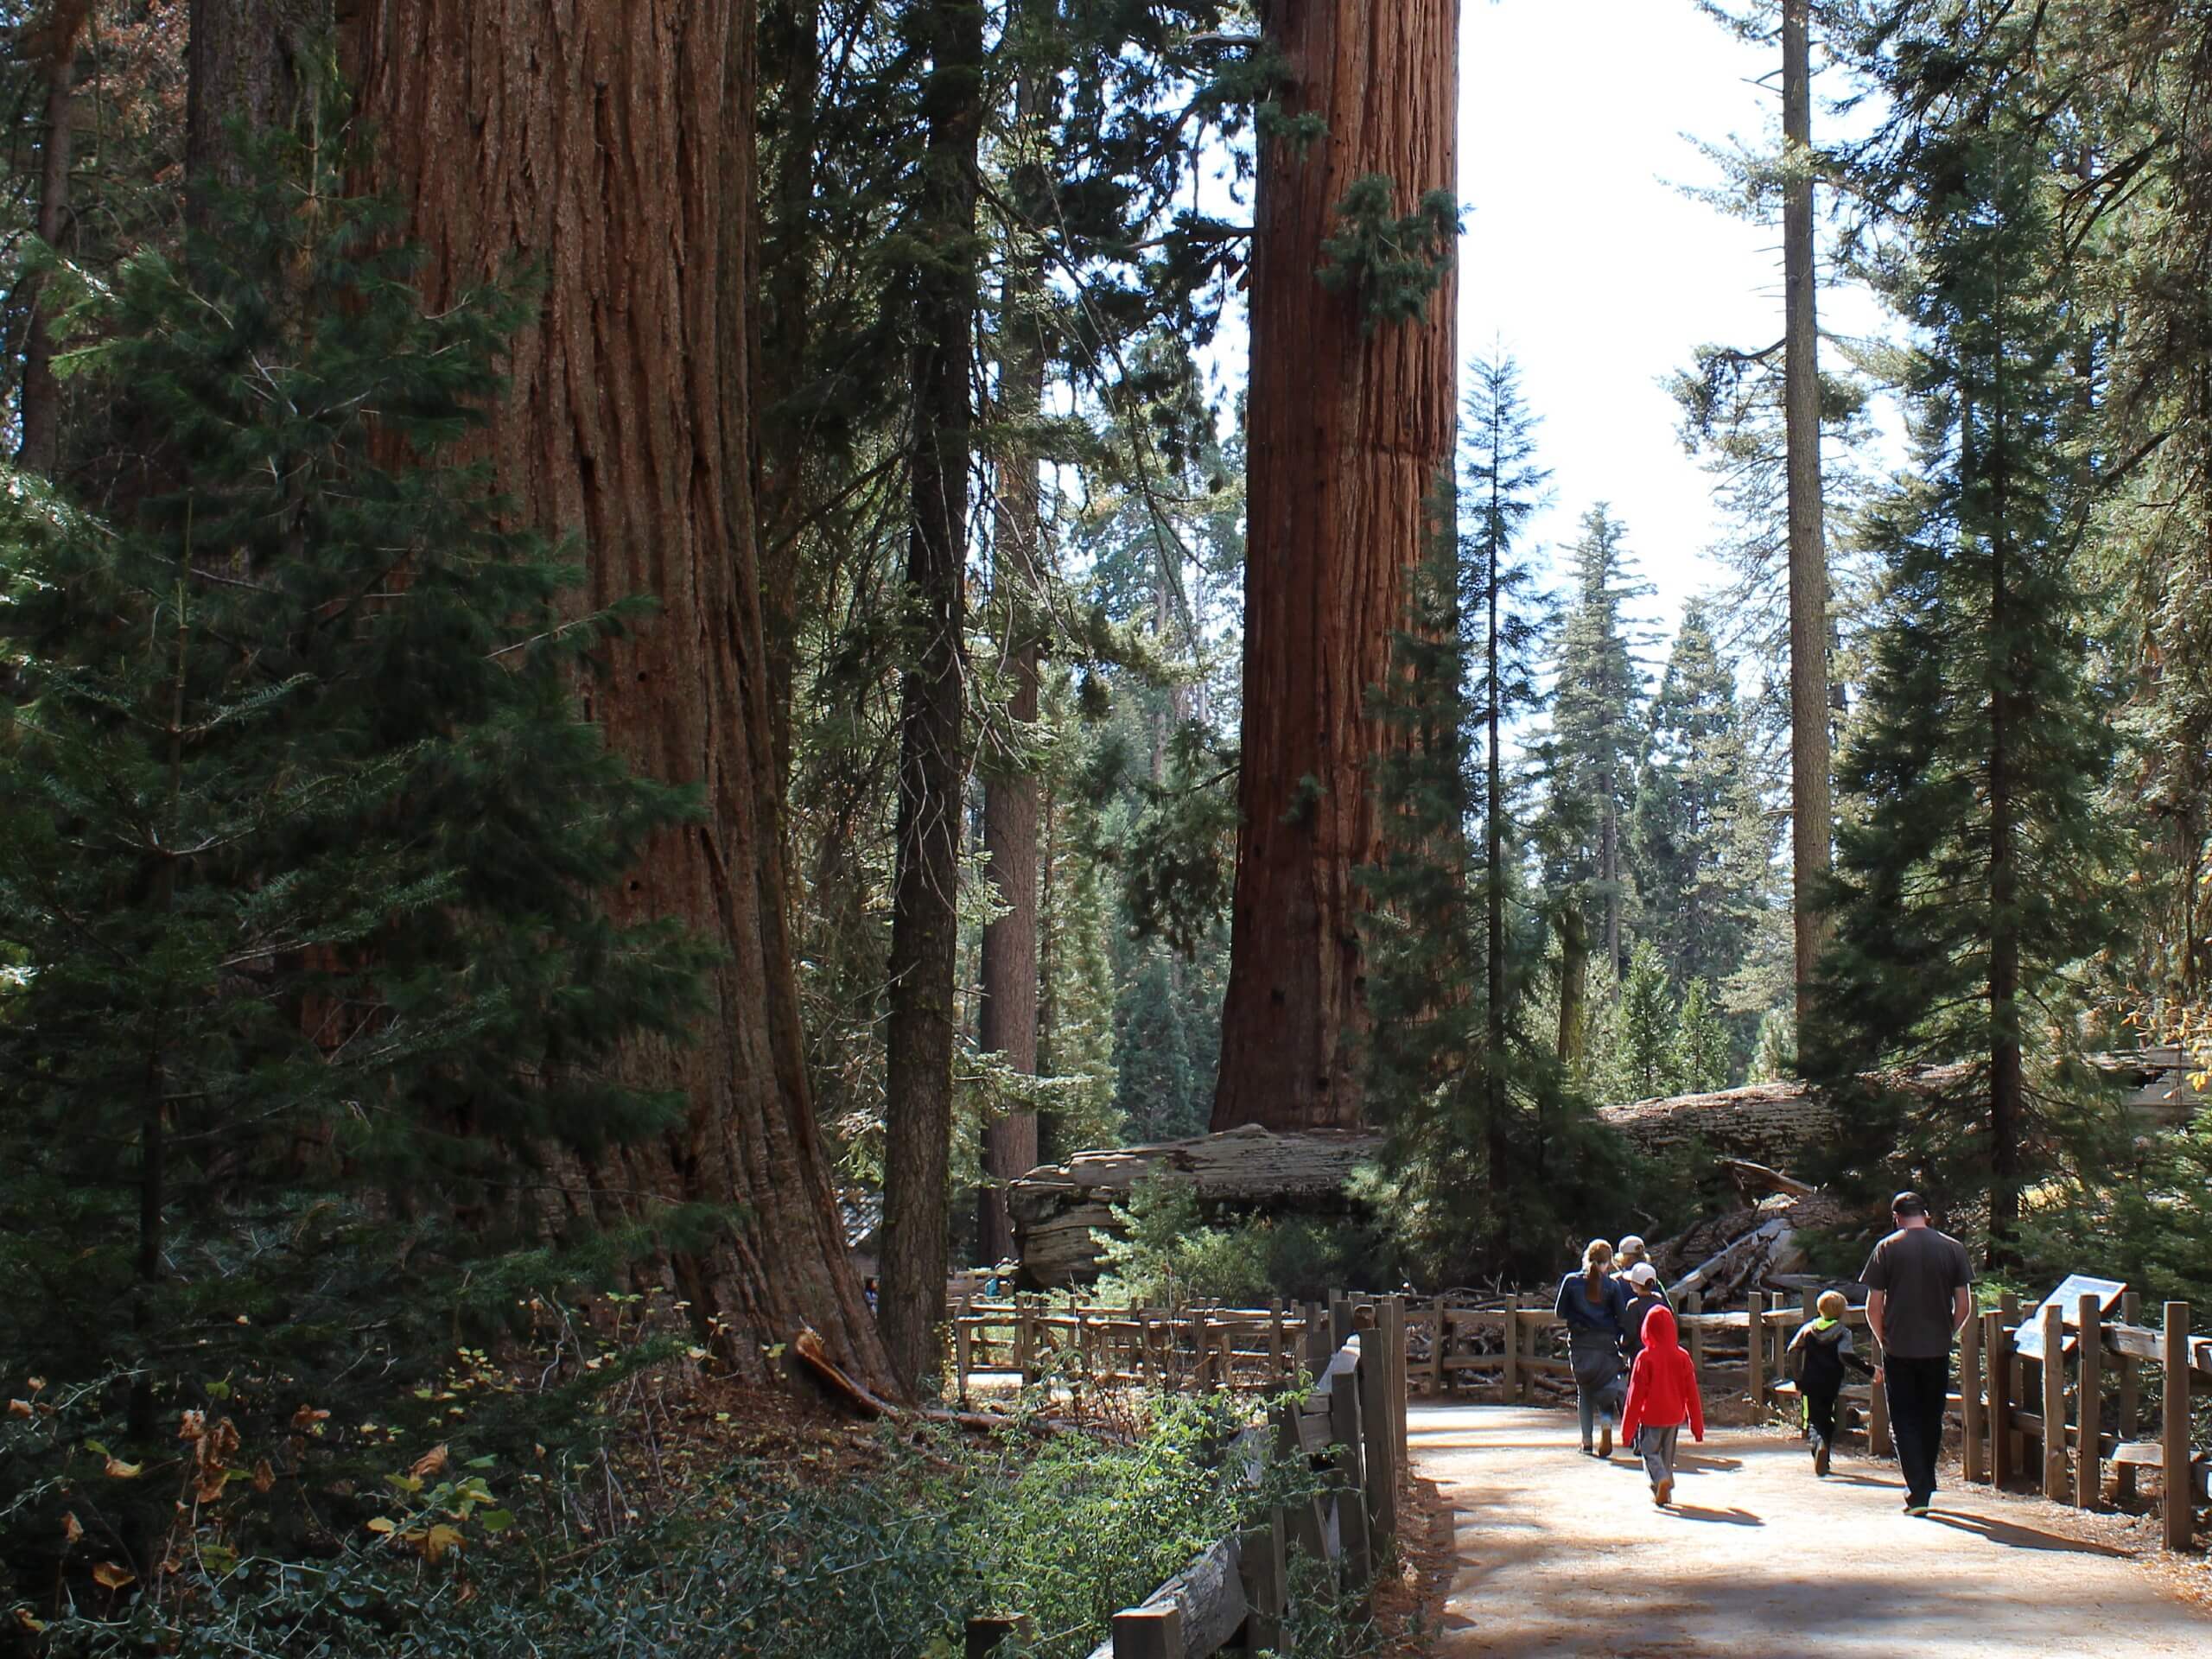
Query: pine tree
[1975, 878]
[1700, 832]
[1704, 1055]
[1500, 487]
[303, 834]
[1645, 1021]
[1592, 752]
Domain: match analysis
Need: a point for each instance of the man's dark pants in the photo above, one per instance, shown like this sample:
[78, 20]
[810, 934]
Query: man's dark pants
[1916, 1390]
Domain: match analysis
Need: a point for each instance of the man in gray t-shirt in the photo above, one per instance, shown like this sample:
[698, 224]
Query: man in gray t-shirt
[1918, 1299]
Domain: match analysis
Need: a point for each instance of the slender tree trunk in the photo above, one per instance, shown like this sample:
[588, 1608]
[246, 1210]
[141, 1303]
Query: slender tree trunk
[611, 141]
[1574, 983]
[925, 921]
[1494, 828]
[1348, 431]
[1609, 866]
[1811, 810]
[56, 44]
[2007, 1082]
[1010, 791]
[786, 338]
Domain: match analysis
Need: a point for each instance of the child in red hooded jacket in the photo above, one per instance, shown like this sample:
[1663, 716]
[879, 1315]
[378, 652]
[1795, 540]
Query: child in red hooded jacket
[1661, 1395]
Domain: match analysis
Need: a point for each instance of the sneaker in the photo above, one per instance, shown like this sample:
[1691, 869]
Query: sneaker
[1917, 1505]
[1606, 1441]
[1662, 1492]
[1820, 1457]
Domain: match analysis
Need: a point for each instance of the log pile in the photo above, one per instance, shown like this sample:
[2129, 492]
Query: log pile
[1056, 1206]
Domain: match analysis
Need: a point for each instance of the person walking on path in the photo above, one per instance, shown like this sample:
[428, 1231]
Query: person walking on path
[1631, 1254]
[1818, 1354]
[1591, 1301]
[1645, 1293]
[1919, 1281]
[1661, 1396]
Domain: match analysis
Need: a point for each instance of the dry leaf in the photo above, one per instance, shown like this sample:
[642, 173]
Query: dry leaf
[118, 1470]
[109, 1576]
[192, 1425]
[440, 1539]
[29, 1621]
[72, 1528]
[263, 1476]
[19, 1407]
[211, 1486]
[384, 1524]
[432, 1462]
[306, 1417]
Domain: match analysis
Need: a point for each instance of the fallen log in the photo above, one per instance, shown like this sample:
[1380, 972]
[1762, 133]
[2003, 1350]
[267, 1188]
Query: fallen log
[1057, 1207]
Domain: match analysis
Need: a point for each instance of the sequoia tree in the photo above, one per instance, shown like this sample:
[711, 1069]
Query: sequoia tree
[1351, 423]
[609, 143]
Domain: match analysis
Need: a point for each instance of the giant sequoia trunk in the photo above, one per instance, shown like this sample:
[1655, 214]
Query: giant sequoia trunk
[611, 141]
[925, 916]
[1811, 809]
[1347, 428]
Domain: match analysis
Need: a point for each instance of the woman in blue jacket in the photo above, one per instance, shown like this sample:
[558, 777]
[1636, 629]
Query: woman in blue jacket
[1591, 1302]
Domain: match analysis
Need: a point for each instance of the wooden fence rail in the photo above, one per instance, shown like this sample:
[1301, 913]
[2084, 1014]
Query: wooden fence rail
[1235, 1595]
[2094, 1390]
[1077, 1344]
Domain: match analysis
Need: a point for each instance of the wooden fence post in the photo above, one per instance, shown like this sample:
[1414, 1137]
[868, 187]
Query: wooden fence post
[2130, 1401]
[1512, 1373]
[1439, 1328]
[1970, 1450]
[963, 1347]
[2089, 1391]
[1275, 1368]
[2016, 1385]
[2057, 1483]
[1265, 1570]
[2175, 1499]
[1148, 1633]
[1695, 1308]
[1997, 1355]
[1377, 1436]
[1755, 1353]
[1340, 1322]
[1025, 1339]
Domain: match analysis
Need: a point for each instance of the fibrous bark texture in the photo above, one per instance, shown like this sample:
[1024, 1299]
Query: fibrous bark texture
[610, 141]
[924, 918]
[249, 71]
[1349, 429]
[1811, 812]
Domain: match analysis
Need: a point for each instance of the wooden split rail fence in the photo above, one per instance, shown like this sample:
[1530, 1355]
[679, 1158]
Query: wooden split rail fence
[2096, 1392]
[1235, 1597]
[1080, 1345]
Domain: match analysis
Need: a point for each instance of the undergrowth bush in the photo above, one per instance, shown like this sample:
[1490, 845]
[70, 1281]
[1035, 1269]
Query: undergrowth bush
[774, 1560]
[1167, 1253]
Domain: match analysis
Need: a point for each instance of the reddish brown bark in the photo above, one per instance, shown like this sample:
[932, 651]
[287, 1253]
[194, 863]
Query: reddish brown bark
[1348, 431]
[249, 70]
[611, 141]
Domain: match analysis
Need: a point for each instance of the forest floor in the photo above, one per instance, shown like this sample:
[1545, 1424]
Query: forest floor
[1559, 1554]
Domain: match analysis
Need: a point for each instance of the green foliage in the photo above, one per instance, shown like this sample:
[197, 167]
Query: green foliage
[892, 1561]
[1166, 1252]
[1644, 1021]
[1702, 1051]
[303, 836]
[1392, 262]
[1774, 1051]
[1974, 887]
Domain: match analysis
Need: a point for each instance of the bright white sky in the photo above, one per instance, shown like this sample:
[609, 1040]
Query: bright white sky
[1585, 259]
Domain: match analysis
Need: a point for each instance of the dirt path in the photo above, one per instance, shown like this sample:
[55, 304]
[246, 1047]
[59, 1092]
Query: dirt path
[1559, 1554]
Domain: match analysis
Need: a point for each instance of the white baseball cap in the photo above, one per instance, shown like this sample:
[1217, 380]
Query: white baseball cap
[1643, 1273]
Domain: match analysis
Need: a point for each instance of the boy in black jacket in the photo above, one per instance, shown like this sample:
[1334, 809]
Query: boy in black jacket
[1818, 1355]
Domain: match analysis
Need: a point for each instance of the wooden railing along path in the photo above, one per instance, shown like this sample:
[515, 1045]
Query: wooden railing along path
[2096, 1393]
[1081, 1344]
[1235, 1596]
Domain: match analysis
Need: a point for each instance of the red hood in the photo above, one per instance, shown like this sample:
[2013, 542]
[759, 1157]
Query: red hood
[1659, 1329]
